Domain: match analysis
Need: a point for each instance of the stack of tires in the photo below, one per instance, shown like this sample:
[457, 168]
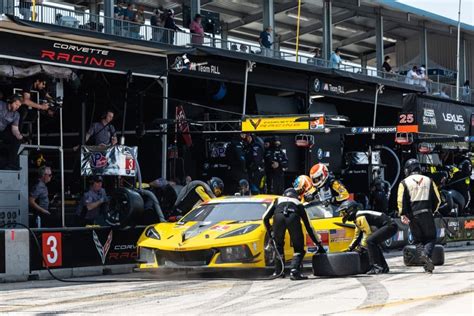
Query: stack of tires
[129, 207]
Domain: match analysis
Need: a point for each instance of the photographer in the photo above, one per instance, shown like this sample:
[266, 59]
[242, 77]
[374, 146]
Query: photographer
[39, 85]
[103, 132]
[9, 131]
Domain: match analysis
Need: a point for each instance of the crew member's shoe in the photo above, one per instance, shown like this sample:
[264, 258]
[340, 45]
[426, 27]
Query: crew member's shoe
[428, 264]
[296, 275]
[376, 269]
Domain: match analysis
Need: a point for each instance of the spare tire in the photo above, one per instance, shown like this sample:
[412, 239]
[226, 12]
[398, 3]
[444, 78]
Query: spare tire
[364, 262]
[152, 213]
[125, 206]
[411, 259]
[336, 264]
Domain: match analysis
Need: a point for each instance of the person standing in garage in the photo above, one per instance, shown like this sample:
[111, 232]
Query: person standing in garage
[255, 161]
[276, 163]
[365, 237]
[418, 198]
[287, 213]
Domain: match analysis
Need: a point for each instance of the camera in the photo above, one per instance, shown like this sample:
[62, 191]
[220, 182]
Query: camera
[54, 103]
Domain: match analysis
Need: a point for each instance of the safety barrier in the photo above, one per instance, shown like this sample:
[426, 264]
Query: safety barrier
[73, 252]
[14, 255]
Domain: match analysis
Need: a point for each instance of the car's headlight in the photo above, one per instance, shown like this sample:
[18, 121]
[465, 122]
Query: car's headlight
[152, 233]
[234, 254]
[240, 231]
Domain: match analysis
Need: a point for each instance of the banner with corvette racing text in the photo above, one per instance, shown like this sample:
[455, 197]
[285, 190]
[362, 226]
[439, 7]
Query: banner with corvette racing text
[80, 55]
[282, 124]
[108, 161]
[83, 247]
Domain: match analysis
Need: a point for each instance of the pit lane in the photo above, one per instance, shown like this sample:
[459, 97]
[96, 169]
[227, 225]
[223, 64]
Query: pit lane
[404, 290]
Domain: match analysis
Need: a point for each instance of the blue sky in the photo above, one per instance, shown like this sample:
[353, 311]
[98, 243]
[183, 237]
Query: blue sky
[446, 8]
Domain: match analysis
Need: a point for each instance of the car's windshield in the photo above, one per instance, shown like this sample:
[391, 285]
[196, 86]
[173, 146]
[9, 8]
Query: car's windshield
[318, 210]
[245, 211]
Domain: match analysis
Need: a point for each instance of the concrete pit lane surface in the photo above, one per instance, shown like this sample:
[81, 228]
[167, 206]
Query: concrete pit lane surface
[404, 291]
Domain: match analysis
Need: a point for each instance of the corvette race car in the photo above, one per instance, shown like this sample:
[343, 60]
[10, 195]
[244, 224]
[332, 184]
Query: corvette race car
[229, 232]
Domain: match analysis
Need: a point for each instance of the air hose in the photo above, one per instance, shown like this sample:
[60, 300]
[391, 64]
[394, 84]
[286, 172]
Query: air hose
[397, 160]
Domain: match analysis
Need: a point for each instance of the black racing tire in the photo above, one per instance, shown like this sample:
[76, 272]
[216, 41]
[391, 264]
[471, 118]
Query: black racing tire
[364, 262]
[411, 259]
[125, 206]
[336, 264]
[152, 213]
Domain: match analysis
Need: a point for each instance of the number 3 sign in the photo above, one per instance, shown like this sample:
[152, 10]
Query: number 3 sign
[52, 250]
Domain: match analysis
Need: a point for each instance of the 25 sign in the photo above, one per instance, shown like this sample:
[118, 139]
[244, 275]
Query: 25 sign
[52, 249]
[407, 118]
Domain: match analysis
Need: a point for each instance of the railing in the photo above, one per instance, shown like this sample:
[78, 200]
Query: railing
[123, 28]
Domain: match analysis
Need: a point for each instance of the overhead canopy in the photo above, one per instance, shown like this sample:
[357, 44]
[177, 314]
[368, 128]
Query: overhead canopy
[353, 21]
[269, 70]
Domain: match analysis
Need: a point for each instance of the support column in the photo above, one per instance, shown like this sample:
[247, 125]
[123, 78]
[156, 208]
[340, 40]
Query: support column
[164, 137]
[379, 55]
[269, 16]
[195, 6]
[363, 63]
[7, 6]
[327, 29]
[108, 16]
[94, 12]
[462, 67]
[424, 47]
[224, 37]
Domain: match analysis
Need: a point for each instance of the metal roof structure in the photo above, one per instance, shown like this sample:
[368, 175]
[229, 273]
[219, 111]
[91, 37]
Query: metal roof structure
[353, 22]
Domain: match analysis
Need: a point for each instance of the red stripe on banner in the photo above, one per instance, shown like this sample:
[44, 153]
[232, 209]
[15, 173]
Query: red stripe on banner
[183, 125]
[407, 128]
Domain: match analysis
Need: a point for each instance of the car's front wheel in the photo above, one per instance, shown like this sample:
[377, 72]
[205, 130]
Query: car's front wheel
[270, 252]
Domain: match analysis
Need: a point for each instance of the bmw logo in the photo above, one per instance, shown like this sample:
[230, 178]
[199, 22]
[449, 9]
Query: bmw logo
[317, 85]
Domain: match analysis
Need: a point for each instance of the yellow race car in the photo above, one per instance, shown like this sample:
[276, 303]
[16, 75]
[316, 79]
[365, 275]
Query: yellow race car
[229, 232]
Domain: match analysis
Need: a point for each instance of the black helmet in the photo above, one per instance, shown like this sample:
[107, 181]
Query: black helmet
[411, 166]
[244, 183]
[217, 186]
[348, 210]
[291, 193]
[466, 167]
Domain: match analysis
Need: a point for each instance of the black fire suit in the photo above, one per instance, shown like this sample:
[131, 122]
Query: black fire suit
[287, 214]
[235, 154]
[418, 198]
[256, 165]
[386, 228]
[276, 176]
[193, 194]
